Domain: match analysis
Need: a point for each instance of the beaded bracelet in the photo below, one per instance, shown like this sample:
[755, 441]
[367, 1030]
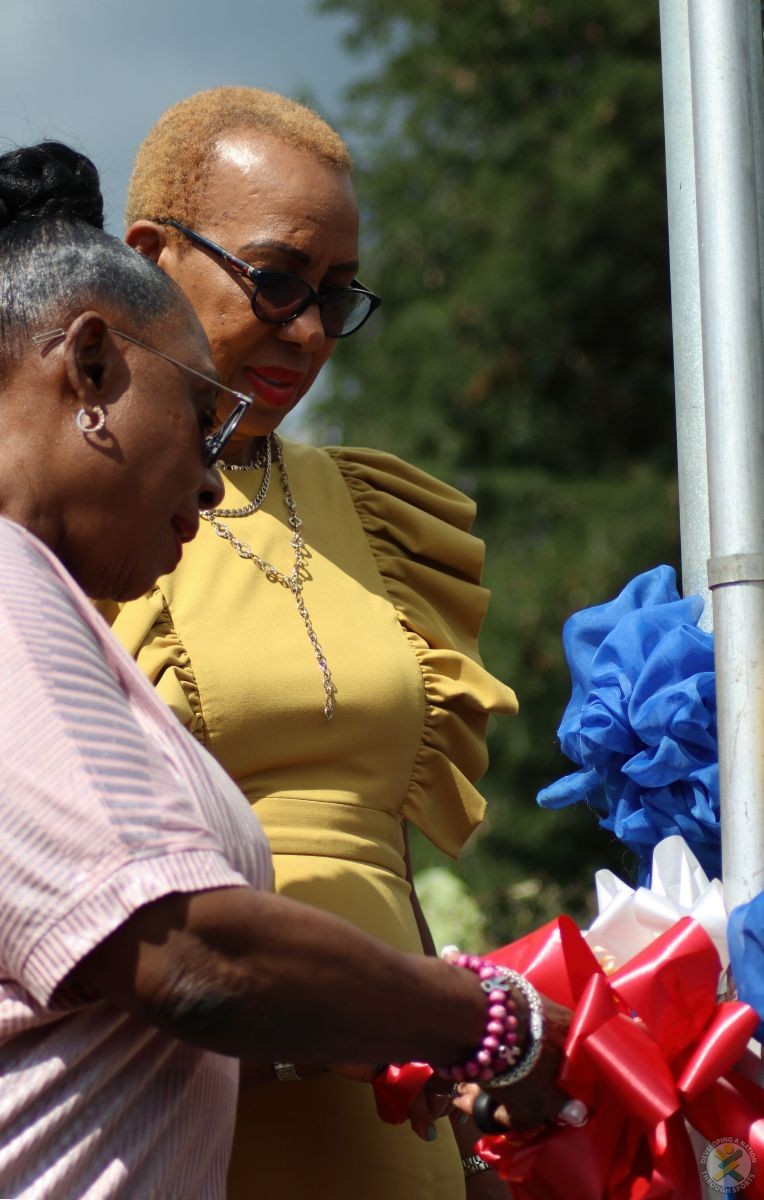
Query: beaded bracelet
[499, 1047]
[524, 1065]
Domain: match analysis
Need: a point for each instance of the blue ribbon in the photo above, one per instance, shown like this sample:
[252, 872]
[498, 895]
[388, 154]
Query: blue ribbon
[745, 936]
[641, 721]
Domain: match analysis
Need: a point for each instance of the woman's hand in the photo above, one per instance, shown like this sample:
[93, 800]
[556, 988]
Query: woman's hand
[536, 1100]
[433, 1102]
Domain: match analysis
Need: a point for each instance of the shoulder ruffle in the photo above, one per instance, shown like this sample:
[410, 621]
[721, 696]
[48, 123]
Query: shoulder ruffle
[145, 628]
[418, 530]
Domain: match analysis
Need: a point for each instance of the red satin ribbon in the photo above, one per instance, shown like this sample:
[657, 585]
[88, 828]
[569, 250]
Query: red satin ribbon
[397, 1087]
[641, 1079]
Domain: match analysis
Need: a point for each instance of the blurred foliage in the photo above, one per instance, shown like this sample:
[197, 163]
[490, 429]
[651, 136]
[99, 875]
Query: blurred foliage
[453, 913]
[511, 175]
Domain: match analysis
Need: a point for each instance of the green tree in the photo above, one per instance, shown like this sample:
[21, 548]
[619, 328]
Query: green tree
[511, 173]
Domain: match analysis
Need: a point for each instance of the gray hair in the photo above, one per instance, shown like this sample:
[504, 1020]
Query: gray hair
[56, 259]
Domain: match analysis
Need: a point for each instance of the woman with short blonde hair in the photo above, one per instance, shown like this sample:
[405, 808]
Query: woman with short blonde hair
[364, 706]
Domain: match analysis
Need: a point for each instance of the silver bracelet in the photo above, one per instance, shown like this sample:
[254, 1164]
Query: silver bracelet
[535, 1032]
[473, 1164]
[286, 1072]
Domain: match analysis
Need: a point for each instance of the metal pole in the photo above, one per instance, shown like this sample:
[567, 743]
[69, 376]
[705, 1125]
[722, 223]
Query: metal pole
[723, 97]
[757, 114]
[685, 303]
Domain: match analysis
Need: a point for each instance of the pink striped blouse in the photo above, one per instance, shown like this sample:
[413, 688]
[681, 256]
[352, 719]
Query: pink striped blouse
[106, 803]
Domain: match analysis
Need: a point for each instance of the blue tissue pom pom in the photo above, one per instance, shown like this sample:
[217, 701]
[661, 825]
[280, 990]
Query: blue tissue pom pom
[641, 721]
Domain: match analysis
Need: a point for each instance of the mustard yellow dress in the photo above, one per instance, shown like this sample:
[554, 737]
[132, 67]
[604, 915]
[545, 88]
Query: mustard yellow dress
[394, 596]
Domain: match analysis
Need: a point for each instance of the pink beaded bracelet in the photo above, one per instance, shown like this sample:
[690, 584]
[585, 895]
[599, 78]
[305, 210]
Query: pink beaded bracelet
[499, 1046]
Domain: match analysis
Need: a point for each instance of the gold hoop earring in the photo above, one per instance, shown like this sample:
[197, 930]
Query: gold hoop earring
[90, 420]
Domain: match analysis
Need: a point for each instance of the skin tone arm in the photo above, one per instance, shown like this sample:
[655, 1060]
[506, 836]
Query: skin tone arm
[260, 976]
[254, 975]
[254, 1073]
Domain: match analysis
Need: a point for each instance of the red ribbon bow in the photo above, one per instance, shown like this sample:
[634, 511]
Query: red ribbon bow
[642, 1078]
[648, 1049]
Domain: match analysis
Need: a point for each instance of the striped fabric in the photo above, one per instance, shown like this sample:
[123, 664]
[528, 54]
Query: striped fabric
[106, 803]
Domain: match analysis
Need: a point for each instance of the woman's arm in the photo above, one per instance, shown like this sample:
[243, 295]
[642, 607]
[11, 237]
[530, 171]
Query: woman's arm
[256, 975]
[259, 976]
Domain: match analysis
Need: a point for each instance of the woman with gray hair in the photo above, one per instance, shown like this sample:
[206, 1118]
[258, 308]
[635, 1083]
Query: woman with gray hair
[141, 950]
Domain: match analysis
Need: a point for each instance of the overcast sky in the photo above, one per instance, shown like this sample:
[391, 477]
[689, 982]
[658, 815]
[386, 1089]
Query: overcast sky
[98, 73]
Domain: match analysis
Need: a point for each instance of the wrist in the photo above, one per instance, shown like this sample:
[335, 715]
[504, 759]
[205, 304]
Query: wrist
[535, 1031]
[499, 1044]
[514, 1034]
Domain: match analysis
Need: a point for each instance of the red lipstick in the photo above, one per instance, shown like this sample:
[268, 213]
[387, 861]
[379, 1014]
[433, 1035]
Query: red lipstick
[275, 385]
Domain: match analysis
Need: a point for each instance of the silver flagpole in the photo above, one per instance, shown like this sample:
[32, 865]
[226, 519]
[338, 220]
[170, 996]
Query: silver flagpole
[725, 59]
[685, 303]
[687, 335]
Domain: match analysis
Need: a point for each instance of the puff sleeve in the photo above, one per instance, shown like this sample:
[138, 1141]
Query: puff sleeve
[146, 630]
[431, 565]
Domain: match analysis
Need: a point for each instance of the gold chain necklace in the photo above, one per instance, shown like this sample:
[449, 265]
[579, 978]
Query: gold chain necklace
[294, 581]
[262, 491]
[258, 460]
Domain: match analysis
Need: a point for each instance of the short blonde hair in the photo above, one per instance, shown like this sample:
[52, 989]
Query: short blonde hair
[173, 159]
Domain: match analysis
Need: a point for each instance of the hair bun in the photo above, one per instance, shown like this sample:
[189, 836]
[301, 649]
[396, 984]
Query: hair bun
[49, 180]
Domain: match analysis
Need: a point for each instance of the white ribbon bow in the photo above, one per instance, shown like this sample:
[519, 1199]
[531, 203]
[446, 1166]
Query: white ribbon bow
[629, 920]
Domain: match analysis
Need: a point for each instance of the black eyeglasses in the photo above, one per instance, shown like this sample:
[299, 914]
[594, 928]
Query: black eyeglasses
[279, 297]
[214, 441]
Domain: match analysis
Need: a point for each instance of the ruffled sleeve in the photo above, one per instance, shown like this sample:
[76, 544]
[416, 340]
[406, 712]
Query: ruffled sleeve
[418, 531]
[145, 628]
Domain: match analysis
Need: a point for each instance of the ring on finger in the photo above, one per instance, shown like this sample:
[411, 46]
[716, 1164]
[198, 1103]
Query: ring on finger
[483, 1115]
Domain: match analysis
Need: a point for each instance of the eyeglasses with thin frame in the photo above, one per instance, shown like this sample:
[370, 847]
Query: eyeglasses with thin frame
[279, 297]
[214, 443]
